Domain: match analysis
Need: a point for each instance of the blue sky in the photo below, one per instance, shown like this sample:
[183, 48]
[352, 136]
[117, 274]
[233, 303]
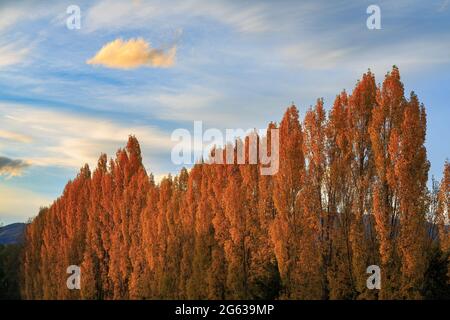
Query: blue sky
[238, 64]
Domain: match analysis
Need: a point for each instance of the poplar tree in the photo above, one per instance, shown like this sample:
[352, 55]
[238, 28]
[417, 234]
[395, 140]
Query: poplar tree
[285, 228]
[386, 116]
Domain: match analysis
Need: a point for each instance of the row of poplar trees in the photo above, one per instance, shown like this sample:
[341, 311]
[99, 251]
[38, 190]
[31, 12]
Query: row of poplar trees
[351, 191]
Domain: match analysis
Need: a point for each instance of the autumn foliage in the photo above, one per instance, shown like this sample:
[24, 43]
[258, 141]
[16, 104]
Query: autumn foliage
[350, 192]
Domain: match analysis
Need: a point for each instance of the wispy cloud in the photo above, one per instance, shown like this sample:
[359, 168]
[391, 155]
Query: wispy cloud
[12, 53]
[12, 167]
[310, 55]
[10, 15]
[411, 55]
[187, 103]
[246, 19]
[113, 14]
[133, 53]
[68, 139]
[15, 46]
[14, 136]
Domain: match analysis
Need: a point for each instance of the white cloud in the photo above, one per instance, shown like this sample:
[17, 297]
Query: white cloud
[309, 55]
[16, 46]
[247, 19]
[15, 12]
[114, 14]
[187, 104]
[70, 140]
[408, 55]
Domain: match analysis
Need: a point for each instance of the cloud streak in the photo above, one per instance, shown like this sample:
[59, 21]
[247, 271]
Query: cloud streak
[134, 53]
[12, 53]
[67, 139]
[12, 167]
[13, 136]
[116, 14]
[411, 55]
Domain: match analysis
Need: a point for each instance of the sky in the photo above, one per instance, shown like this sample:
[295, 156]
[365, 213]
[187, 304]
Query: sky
[149, 67]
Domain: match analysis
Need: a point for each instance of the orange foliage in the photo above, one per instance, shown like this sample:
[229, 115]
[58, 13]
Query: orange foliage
[350, 192]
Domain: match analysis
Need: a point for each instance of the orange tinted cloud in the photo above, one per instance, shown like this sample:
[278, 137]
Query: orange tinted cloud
[133, 53]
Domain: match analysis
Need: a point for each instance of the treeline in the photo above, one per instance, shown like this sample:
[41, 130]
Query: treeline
[9, 271]
[351, 191]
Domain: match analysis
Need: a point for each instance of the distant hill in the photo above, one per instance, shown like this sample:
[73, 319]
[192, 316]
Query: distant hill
[12, 233]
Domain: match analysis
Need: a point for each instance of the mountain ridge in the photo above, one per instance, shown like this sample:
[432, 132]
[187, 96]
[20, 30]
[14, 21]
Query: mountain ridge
[12, 233]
